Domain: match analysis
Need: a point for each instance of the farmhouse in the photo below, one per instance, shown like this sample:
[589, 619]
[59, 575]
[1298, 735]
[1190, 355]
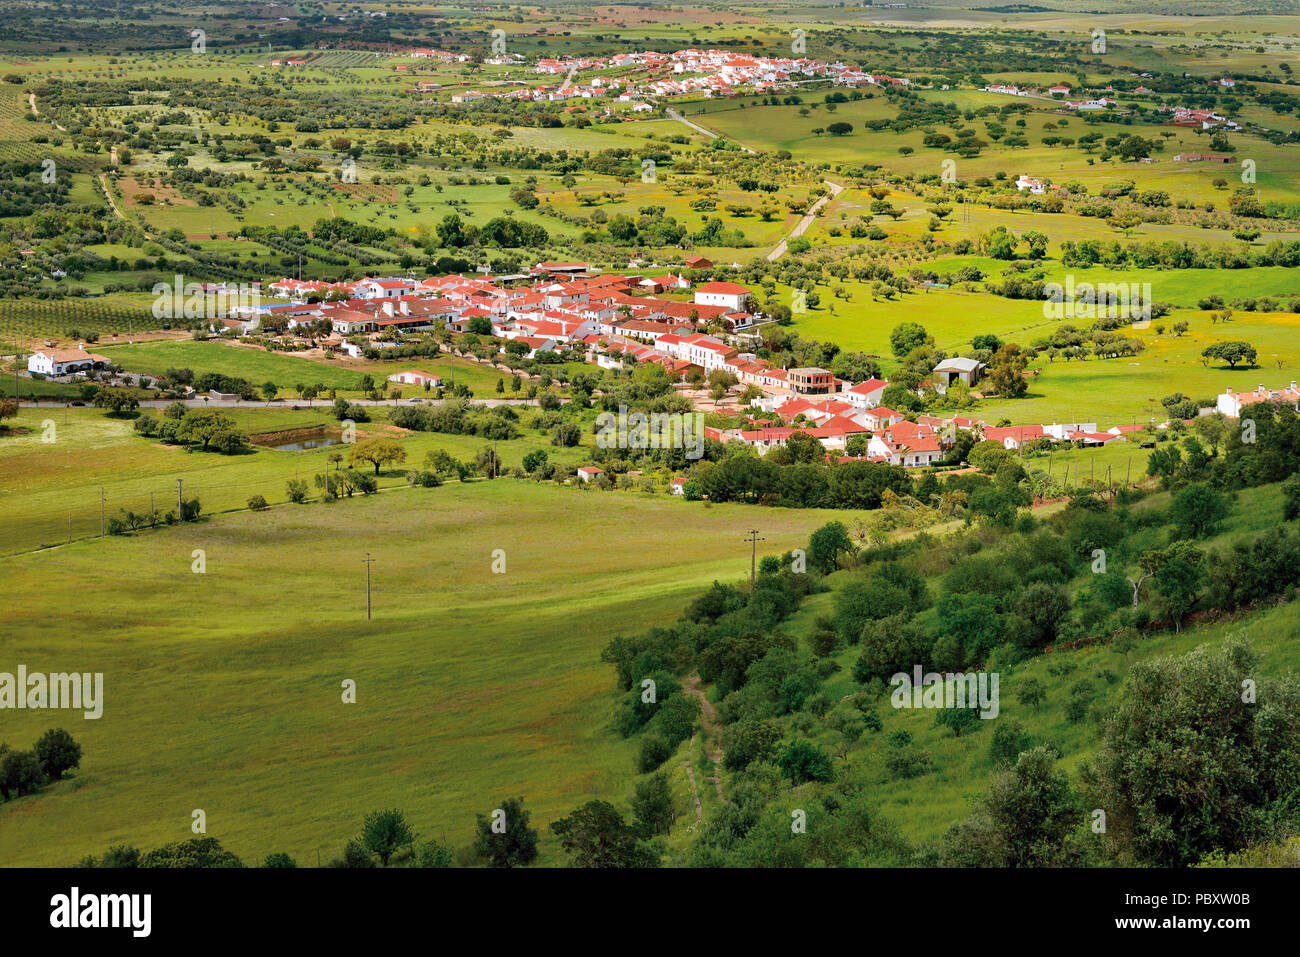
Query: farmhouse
[1202, 158]
[57, 362]
[589, 472]
[1231, 403]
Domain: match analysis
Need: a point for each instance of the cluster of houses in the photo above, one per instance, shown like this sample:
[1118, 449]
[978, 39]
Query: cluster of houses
[442, 56]
[836, 419]
[711, 72]
[553, 307]
[1180, 115]
[1198, 119]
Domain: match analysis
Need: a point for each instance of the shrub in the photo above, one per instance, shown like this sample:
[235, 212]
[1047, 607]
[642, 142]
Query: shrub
[257, 503]
[654, 752]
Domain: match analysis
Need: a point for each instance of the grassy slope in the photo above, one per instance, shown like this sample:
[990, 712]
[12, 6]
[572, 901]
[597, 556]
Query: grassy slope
[925, 806]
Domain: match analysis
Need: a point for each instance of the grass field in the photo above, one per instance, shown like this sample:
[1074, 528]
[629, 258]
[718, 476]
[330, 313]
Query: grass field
[223, 689]
[53, 490]
[245, 362]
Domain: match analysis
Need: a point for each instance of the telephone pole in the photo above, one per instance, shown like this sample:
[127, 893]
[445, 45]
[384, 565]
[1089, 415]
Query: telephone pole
[101, 511]
[180, 502]
[753, 555]
[368, 561]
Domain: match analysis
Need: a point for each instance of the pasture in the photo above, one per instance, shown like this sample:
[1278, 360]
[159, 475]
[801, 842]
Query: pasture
[223, 690]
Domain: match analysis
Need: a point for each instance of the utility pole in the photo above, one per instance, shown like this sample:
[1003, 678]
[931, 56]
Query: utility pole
[101, 511]
[368, 561]
[753, 555]
[180, 502]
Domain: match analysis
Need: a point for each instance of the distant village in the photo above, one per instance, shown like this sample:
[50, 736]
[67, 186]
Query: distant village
[708, 72]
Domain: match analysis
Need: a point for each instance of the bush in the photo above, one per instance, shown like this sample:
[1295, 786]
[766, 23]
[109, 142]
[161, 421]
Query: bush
[654, 752]
[424, 478]
[297, 490]
[257, 503]
[907, 762]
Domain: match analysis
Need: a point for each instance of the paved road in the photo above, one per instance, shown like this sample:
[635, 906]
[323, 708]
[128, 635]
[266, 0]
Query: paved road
[802, 226]
[674, 115]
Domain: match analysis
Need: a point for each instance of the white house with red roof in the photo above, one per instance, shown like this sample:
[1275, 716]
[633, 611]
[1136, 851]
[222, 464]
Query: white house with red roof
[865, 395]
[1231, 403]
[384, 288]
[56, 362]
[1013, 436]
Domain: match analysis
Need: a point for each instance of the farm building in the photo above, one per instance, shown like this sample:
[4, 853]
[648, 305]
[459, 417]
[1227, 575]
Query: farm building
[958, 368]
[64, 361]
[414, 377]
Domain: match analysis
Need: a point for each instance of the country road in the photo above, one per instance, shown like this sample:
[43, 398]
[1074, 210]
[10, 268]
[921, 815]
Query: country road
[802, 226]
[103, 181]
[568, 78]
[31, 101]
[674, 115]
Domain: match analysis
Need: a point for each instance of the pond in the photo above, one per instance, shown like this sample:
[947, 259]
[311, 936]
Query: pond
[302, 444]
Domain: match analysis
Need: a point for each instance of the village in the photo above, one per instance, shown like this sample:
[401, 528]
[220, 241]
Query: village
[649, 74]
[617, 321]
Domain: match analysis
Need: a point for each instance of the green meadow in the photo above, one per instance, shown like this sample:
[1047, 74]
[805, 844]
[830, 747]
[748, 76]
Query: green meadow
[223, 689]
[53, 489]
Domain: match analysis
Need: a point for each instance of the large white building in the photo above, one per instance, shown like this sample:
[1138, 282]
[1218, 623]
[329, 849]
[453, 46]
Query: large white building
[729, 295]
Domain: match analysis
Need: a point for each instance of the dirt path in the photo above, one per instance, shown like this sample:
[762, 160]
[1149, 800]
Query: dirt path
[674, 115]
[709, 724]
[695, 791]
[31, 101]
[103, 181]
